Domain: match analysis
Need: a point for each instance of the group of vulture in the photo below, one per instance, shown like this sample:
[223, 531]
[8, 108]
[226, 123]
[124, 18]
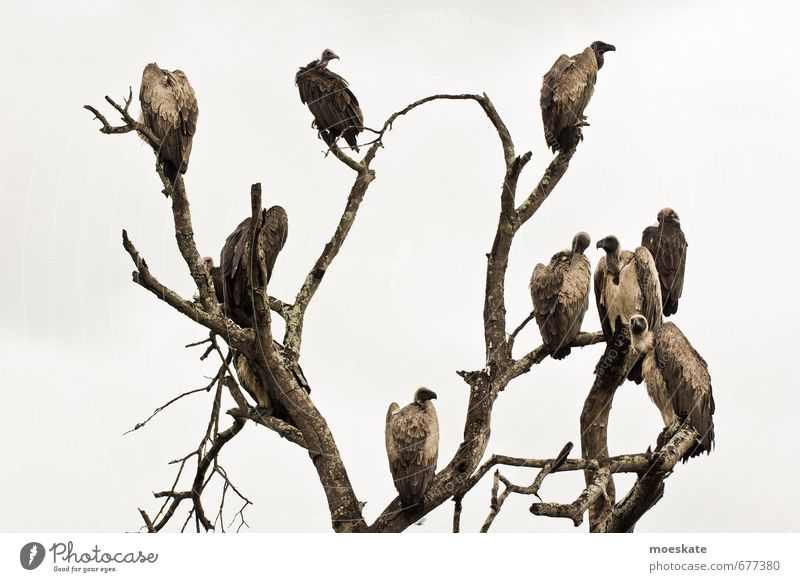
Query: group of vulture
[638, 289]
[635, 288]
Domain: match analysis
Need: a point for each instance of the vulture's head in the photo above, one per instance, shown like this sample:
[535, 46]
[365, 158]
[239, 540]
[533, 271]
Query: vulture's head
[638, 324]
[423, 394]
[581, 242]
[209, 263]
[609, 244]
[668, 215]
[641, 337]
[599, 47]
[327, 56]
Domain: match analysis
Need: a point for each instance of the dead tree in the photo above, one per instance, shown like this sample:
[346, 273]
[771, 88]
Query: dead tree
[311, 432]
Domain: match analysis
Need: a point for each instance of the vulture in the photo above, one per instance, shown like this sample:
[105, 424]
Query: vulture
[236, 262]
[566, 90]
[412, 444]
[666, 243]
[169, 110]
[677, 379]
[232, 286]
[626, 283]
[560, 293]
[260, 388]
[334, 107]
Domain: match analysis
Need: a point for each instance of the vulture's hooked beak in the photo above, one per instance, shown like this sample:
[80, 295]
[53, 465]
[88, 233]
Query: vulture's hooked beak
[610, 47]
[600, 243]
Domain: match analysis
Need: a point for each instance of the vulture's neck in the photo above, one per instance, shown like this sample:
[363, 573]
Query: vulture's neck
[612, 262]
[643, 343]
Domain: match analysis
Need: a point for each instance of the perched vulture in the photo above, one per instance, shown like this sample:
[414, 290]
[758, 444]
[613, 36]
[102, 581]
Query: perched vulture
[236, 262]
[626, 283]
[666, 243]
[566, 90]
[169, 110]
[412, 443]
[677, 379]
[560, 293]
[260, 389]
[333, 105]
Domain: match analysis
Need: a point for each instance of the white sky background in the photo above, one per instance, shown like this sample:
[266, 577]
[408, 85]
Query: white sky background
[695, 110]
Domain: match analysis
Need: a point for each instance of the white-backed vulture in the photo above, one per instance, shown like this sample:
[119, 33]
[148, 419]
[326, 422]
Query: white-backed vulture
[334, 107]
[560, 293]
[626, 283]
[666, 243]
[232, 284]
[236, 262]
[169, 110]
[412, 444]
[566, 90]
[677, 379]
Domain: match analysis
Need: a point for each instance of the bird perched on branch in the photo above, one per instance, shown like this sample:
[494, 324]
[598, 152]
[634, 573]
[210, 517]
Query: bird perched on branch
[560, 293]
[412, 444]
[626, 283]
[677, 379]
[566, 90]
[237, 261]
[334, 107]
[233, 281]
[169, 110]
[667, 244]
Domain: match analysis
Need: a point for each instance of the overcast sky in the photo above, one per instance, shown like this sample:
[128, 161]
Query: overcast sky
[695, 110]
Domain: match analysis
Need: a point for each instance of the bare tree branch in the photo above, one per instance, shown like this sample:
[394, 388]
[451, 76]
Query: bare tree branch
[276, 365]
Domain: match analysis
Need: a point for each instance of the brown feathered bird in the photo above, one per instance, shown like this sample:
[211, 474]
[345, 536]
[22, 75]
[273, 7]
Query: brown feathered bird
[560, 294]
[677, 379]
[232, 284]
[566, 90]
[626, 284]
[169, 110]
[667, 244]
[412, 444]
[237, 266]
[334, 107]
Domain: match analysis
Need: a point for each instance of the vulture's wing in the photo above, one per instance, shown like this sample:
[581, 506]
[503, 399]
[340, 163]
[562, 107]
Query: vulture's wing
[276, 224]
[688, 383]
[332, 103]
[599, 295]
[649, 287]
[560, 295]
[576, 84]
[414, 449]
[231, 263]
[546, 284]
[391, 445]
[574, 295]
[169, 109]
[668, 247]
[550, 114]
[567, 89]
